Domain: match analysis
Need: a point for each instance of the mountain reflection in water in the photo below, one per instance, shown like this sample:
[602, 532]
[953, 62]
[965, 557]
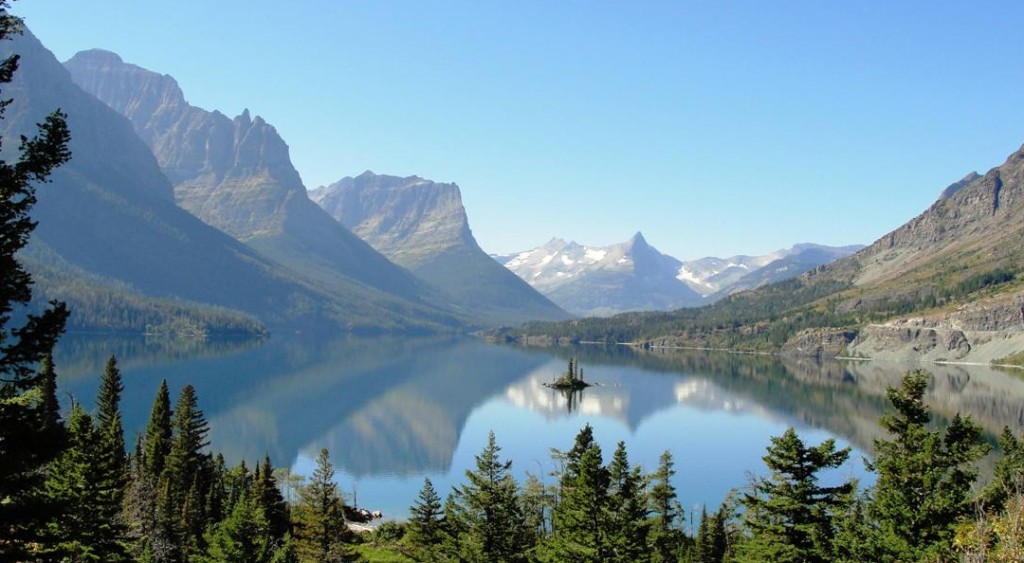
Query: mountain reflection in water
[392, 410]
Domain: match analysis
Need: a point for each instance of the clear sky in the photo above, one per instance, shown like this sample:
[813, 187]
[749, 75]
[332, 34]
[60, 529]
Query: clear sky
[716, 128]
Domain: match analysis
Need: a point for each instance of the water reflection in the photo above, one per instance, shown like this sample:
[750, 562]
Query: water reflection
[392, 410]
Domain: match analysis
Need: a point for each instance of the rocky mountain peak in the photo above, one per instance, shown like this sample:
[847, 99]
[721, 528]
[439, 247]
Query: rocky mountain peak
[397, 214]
[422, 225]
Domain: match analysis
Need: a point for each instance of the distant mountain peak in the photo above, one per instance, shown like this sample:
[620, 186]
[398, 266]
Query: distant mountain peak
[422, 225]
[955, 187]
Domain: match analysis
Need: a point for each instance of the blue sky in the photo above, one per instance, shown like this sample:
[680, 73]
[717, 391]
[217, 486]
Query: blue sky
[716, 128]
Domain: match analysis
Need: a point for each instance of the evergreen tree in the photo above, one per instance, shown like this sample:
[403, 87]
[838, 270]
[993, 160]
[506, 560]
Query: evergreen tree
[486, 511]
[790, 516]
[1008, 477]
[711, 538]
[425, 518]
[25, 400]
[186, 477]
[157, 443]
[580, 520]
[268, 495]
[924, 479]
[666, 536]
[49, 411]
[628, 509]
[75, 481]
[242, 537]
[111, 459]
[321, 516]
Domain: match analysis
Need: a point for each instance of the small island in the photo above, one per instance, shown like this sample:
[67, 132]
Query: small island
[572, 379]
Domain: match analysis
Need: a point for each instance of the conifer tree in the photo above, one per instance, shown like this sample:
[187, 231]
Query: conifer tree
[790, 516]
[268, 495]
[486, 511]
[243, 537]
[75, 482]
[580, 520]
[924, 479]
[157, 443]
[321, 516]
[628, 509]
[49, 411]
[1008, 477]
[425, 517]
[186, 476]
[711, 538]
[666, 536]
[25, 407]
[111, 459]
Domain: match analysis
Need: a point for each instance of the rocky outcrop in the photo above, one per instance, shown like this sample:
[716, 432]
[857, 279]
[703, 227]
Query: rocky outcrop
[979, 332]
[422, 225]
[819, 343]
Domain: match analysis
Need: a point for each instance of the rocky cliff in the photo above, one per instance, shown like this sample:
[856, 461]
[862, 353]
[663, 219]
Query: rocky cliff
[236, 175]
[422, 225]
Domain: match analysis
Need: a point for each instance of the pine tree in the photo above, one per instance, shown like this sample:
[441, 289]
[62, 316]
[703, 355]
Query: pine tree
[711, 538]
[924, 479]
[111, 459]
[157, 443]
[425, 518]
[321, 515]
[24, 400]
[49, 406]
[486, 511]
[243, 537]
[580, 520]
[790, 516]
[268, 495]
[628, 509]
[1008, 477]
[186, 477]
[666, 536]
[75, 481]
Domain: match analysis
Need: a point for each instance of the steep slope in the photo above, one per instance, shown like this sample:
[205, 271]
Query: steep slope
[783, 265]
[111, 212]
[236, 175]
[600, 281]
[947, 285]
[422, 225]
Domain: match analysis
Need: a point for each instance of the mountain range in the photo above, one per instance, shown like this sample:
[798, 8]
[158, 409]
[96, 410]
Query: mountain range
[422, 226]
[945, 286]
[635, 276]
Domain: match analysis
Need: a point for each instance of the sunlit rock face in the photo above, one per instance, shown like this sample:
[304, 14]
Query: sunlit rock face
[422, 225]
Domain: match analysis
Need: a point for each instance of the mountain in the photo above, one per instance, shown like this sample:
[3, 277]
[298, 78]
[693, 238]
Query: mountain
[601, 281]
[236, 175]
[110, 212]
[717, 278]
[947, 285]
[422, 226]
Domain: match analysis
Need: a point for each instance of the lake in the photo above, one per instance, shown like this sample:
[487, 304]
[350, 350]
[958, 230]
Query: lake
[393, 410]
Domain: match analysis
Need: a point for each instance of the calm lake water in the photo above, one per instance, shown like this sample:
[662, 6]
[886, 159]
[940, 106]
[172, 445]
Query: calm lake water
[393, 410]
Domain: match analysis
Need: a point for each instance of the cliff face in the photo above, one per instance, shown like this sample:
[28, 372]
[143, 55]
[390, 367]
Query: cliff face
[409, 220]
[422, 225]
[236, 175]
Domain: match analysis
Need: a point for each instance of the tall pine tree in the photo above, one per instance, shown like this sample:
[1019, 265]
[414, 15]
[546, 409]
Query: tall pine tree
[792, 518]
[924, 480]
[24, 431]
[322, 531]
[580, 520]
[486, 511]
